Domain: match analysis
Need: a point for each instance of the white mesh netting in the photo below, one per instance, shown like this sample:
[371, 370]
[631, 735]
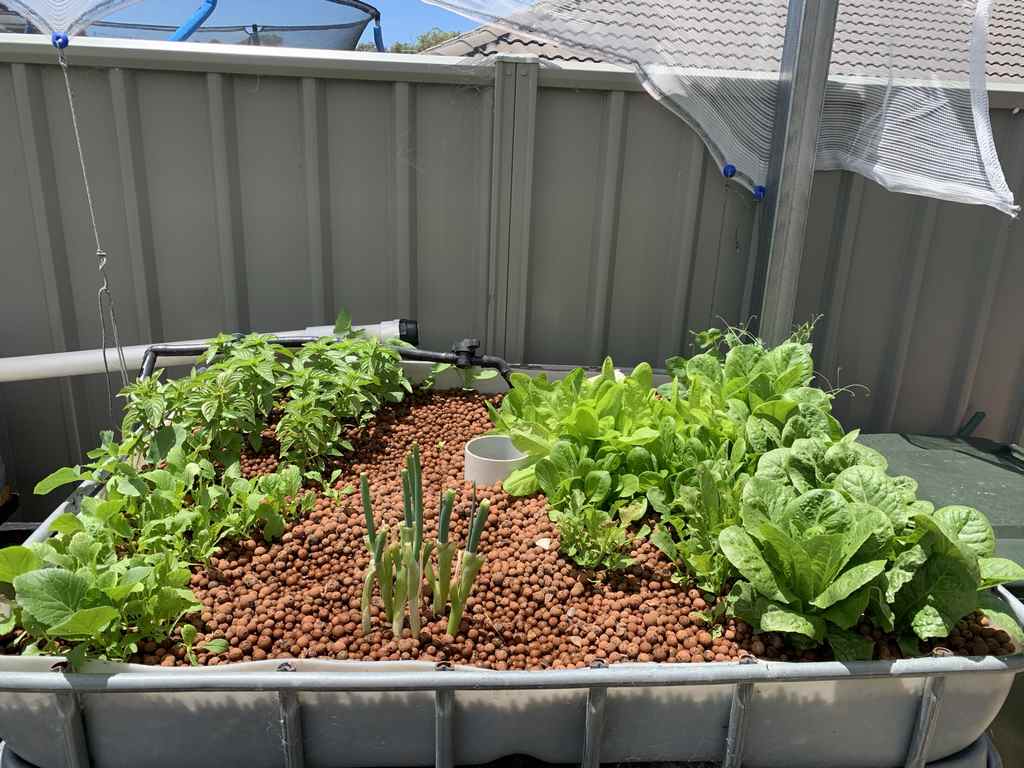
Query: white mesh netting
[67, 16]
[906, 104]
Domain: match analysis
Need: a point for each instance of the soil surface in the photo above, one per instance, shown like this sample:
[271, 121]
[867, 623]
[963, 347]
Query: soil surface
[531, 608]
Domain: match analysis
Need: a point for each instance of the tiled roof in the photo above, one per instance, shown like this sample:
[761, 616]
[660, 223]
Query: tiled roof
[923, 38]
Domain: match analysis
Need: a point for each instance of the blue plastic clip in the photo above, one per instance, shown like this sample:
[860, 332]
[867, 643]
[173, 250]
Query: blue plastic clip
[59, 40]
[728, 170]
[760, 192]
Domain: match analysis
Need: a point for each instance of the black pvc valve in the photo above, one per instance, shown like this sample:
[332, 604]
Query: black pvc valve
[466, 352]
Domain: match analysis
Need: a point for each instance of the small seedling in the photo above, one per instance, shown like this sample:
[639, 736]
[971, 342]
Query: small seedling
[400, 568]
[469, 566]
[188, 639]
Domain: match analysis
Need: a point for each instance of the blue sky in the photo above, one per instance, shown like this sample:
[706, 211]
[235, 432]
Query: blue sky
[402, 20]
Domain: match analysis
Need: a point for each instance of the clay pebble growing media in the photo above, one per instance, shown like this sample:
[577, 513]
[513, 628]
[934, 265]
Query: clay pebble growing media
[531, 607]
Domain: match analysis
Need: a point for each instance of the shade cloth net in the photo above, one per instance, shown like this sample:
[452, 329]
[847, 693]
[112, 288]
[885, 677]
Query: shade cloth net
[326, 24]
[906, 104]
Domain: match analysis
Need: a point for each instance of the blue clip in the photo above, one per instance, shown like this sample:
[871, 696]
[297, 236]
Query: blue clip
[728, 170]
[59, 40]
[760, 192]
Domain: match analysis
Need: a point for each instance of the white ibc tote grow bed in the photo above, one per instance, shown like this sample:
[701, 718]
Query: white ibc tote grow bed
[912, 712]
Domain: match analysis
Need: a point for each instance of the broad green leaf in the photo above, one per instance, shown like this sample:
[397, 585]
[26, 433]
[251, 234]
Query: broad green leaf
[531, 442]
[629, 485]
[943, 591]
[880, 609]
[84, 547]
[663, 540]
[903, 569]
[740, 361]
[906, 488]
[548, 477]
[850, 646]
[56, 479]
[125, 487]
[920, 507]
[67, 524]
[881, 536]
[643, 376]
[161, 479]
[639, 460]
[766, 498]
[815, 512]
[994, 570]
[776, 410]
[773, 465]
[597, 485]
[166, 438]
[778, 619]
[16, 560]
[343, 324]
[641, 436]
[85, 623]
[872, 486]
[216, 647]
[848, 582]
[847, 612]
[51, 595]
[705, 365]
[635, 510]
[970, 527]
[127, 583]
[743, 553]
[761, 434]
[585, 424]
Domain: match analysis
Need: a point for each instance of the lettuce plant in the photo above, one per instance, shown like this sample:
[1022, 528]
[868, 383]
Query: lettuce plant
[827, 536]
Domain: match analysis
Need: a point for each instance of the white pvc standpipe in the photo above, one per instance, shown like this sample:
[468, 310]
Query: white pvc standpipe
[90, 361]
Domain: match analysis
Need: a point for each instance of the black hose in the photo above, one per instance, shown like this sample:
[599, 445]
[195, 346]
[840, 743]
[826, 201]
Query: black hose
[463, 355]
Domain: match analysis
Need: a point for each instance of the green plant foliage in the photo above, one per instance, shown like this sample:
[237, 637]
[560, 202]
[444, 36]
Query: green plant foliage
[117, 573]
[737, 470]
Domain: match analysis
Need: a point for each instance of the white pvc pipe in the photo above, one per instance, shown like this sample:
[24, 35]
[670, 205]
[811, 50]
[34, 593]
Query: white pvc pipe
[89, 361]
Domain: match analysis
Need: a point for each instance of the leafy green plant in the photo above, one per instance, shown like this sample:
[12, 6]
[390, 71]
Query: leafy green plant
[739, 473]
[827, 536]
[117, 573]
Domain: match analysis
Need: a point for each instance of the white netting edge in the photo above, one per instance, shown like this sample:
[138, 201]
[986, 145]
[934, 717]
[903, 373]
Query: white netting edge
[980, 107]
[94, 13]
[913, 184]
[645, 80]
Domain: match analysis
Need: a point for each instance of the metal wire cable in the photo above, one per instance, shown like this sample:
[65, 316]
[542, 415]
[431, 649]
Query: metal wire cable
[101, 256]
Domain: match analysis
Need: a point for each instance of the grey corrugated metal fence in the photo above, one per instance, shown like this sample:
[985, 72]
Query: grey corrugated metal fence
[559, 214]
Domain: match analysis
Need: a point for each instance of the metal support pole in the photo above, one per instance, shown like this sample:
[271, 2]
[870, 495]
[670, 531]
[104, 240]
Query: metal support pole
[931, 698]
[76, 746]
[594, 728]
[806, 53]
[444, 705]
[737, 725]
[291, 729]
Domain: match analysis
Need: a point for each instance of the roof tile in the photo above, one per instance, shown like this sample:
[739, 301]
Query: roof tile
[915, 38]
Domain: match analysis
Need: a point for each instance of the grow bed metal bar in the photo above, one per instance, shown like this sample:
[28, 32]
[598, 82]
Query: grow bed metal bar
[445, 680]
